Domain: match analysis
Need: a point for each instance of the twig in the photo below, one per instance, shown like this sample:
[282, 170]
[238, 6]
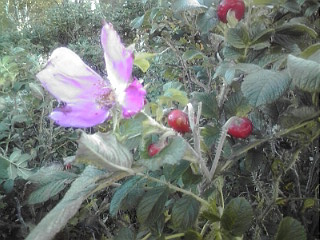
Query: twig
[20, 218]
[196, 138]
[223, 136]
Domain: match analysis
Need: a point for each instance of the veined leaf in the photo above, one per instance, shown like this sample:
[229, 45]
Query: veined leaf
[238, 37]
[305, 73]
[237, 105]
[210, 135]
[18, 165]
[176, 95]
[207, 21]
[212, 212]
[295, 29]
[52, 180]
[58, 217]
[103, 151]
[152, 205]
[264, 86]
[290, 228]
[185, 212]
[192, 54]
[237, 216]
[292, 117]
[122, 192]
[137, 22]
[209, 103]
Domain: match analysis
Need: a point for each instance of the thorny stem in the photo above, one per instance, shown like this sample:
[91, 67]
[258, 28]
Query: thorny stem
[196, 138]
[220, 146]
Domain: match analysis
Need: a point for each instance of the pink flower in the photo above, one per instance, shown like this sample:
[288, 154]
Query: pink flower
[88, 98]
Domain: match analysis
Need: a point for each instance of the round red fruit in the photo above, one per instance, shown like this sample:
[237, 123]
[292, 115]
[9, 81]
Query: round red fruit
[241, 127]
[153, 149]
[179, 121]
[233, 5]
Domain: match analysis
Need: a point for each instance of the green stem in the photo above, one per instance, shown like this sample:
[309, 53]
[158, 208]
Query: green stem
[173, 187]
[174, 236]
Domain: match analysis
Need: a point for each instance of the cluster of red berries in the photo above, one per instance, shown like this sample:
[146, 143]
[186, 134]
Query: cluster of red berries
[178, 120]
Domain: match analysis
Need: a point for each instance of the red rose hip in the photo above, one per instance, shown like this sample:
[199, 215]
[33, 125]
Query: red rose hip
[179, 121]
[233, 5]
[241, 127]
[153, 149]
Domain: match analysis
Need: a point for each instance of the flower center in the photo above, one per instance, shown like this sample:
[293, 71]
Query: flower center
[106, 99]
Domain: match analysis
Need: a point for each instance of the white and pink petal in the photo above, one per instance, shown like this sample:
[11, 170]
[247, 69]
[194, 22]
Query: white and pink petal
[134, 99]
[118, 59]
[82, 115]
[68, 78]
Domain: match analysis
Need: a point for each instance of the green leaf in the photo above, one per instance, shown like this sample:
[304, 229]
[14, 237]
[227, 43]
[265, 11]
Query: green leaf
[173, 84]
[238, 37]
[174, 172]
[171, 154]
[309, 51]
[18, 164]
[308, 203]
[58, 217]
[237, 105]
[185, 212]
[140, 60]
[52, 180]
[207, 21]
[262, 39]
[209, 103]
[187, 5]
[212, 213]
[152, 205]
[8, 185]
[143, 64]
[305, 73]
[192, 54]
[289, 229]
[131, 129]
[103, 151]
[294, 116]
[210, 135]
[295, 29]
[175, 95]
[137, 22]
[125, 234]
[4, 164]
[122, 192]
[237, 216]
[264, 86]
[192, 235]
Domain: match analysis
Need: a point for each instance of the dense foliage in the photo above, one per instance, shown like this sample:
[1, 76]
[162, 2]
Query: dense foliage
[203, 183]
